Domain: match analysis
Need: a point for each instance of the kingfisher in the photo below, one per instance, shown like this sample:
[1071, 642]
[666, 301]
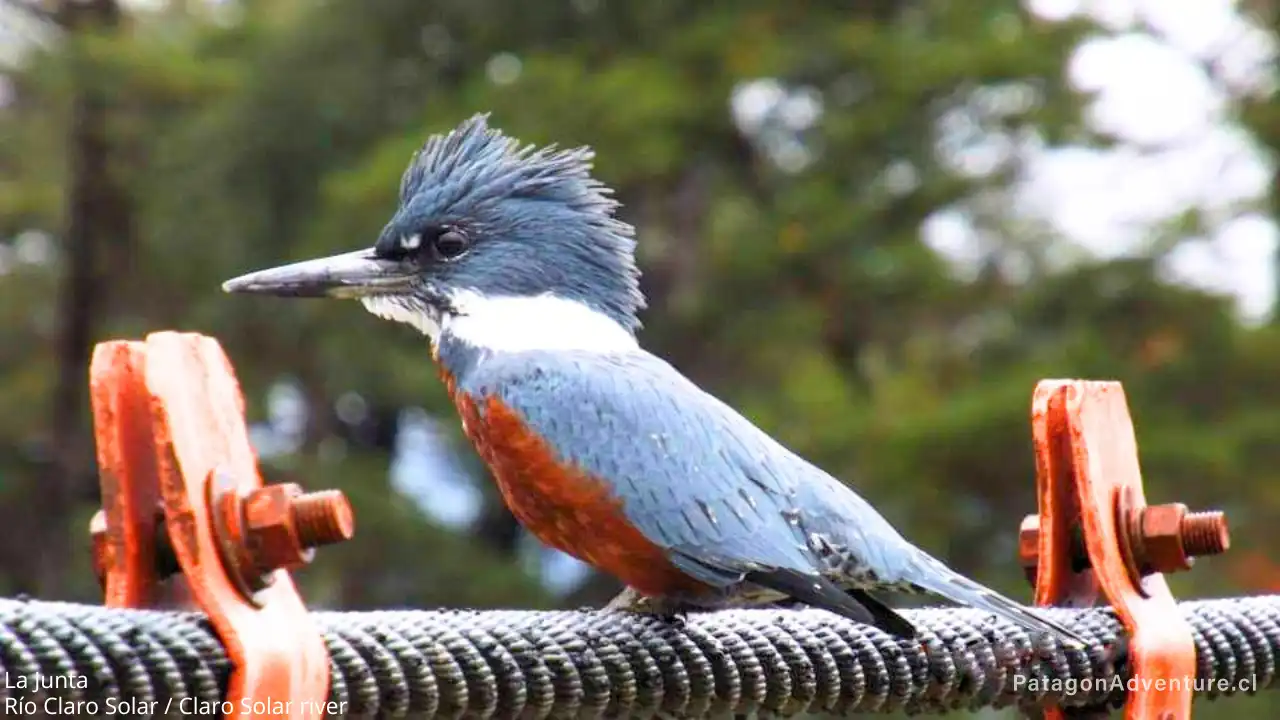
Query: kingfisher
[512, 260]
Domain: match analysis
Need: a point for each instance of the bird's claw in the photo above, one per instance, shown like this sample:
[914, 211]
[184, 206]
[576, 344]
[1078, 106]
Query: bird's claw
[669, 611]
[674, 617]
[630, 601]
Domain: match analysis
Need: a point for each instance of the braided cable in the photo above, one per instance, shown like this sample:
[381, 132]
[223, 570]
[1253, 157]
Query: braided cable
[69, 659]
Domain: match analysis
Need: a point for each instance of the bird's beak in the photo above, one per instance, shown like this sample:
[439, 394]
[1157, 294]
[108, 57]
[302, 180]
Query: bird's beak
[350, 275]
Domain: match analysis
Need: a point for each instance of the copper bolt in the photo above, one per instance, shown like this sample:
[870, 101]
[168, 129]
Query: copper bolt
[166, 562]
[323, 518]
[1029, 548]
[1166, 538]
[101, 545]
[1155, 539]
[1205, 533]
[284, 525]
[274, 527]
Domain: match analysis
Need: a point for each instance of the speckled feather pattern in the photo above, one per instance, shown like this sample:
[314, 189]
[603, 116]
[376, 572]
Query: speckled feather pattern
[725, 502]
[693, 475]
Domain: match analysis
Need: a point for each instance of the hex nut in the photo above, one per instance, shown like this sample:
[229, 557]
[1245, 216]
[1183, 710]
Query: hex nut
[272, 530]
[1161, 538]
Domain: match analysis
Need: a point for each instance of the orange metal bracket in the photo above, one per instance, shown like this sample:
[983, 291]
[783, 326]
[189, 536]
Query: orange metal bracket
[1087, 470]
[168, 417]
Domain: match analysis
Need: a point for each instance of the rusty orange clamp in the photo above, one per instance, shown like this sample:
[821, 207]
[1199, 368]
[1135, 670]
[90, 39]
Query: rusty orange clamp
[1095, 535]
[186, 520]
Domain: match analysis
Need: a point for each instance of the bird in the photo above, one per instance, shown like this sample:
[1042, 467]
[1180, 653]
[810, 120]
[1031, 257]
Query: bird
[512, 260]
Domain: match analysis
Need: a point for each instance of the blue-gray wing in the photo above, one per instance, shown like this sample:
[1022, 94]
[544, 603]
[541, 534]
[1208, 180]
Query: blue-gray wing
[695, 476]
[727, 501]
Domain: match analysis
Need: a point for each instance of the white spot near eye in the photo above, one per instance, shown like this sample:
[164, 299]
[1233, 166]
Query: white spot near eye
[411, 242]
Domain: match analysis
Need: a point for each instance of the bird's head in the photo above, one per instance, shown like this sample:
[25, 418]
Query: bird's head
[501, 244]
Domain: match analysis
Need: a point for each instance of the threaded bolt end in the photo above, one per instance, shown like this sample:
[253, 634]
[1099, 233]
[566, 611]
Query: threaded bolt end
[1205, 533]
[323, 518]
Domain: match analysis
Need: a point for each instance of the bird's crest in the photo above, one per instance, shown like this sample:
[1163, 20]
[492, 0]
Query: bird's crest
[536, 213]
[474, 164]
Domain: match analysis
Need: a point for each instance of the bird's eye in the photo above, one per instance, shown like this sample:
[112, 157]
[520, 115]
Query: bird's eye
[451, 243]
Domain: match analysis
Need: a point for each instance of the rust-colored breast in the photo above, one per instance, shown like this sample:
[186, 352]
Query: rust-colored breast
[563, 506]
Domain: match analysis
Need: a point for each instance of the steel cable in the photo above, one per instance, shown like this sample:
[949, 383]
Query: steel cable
[87, 660]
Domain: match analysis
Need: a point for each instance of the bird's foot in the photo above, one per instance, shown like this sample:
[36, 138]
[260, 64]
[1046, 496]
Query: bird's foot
[669, 610]
[629, 601]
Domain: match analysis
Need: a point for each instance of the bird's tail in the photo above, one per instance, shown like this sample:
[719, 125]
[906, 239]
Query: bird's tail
[933, 576]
